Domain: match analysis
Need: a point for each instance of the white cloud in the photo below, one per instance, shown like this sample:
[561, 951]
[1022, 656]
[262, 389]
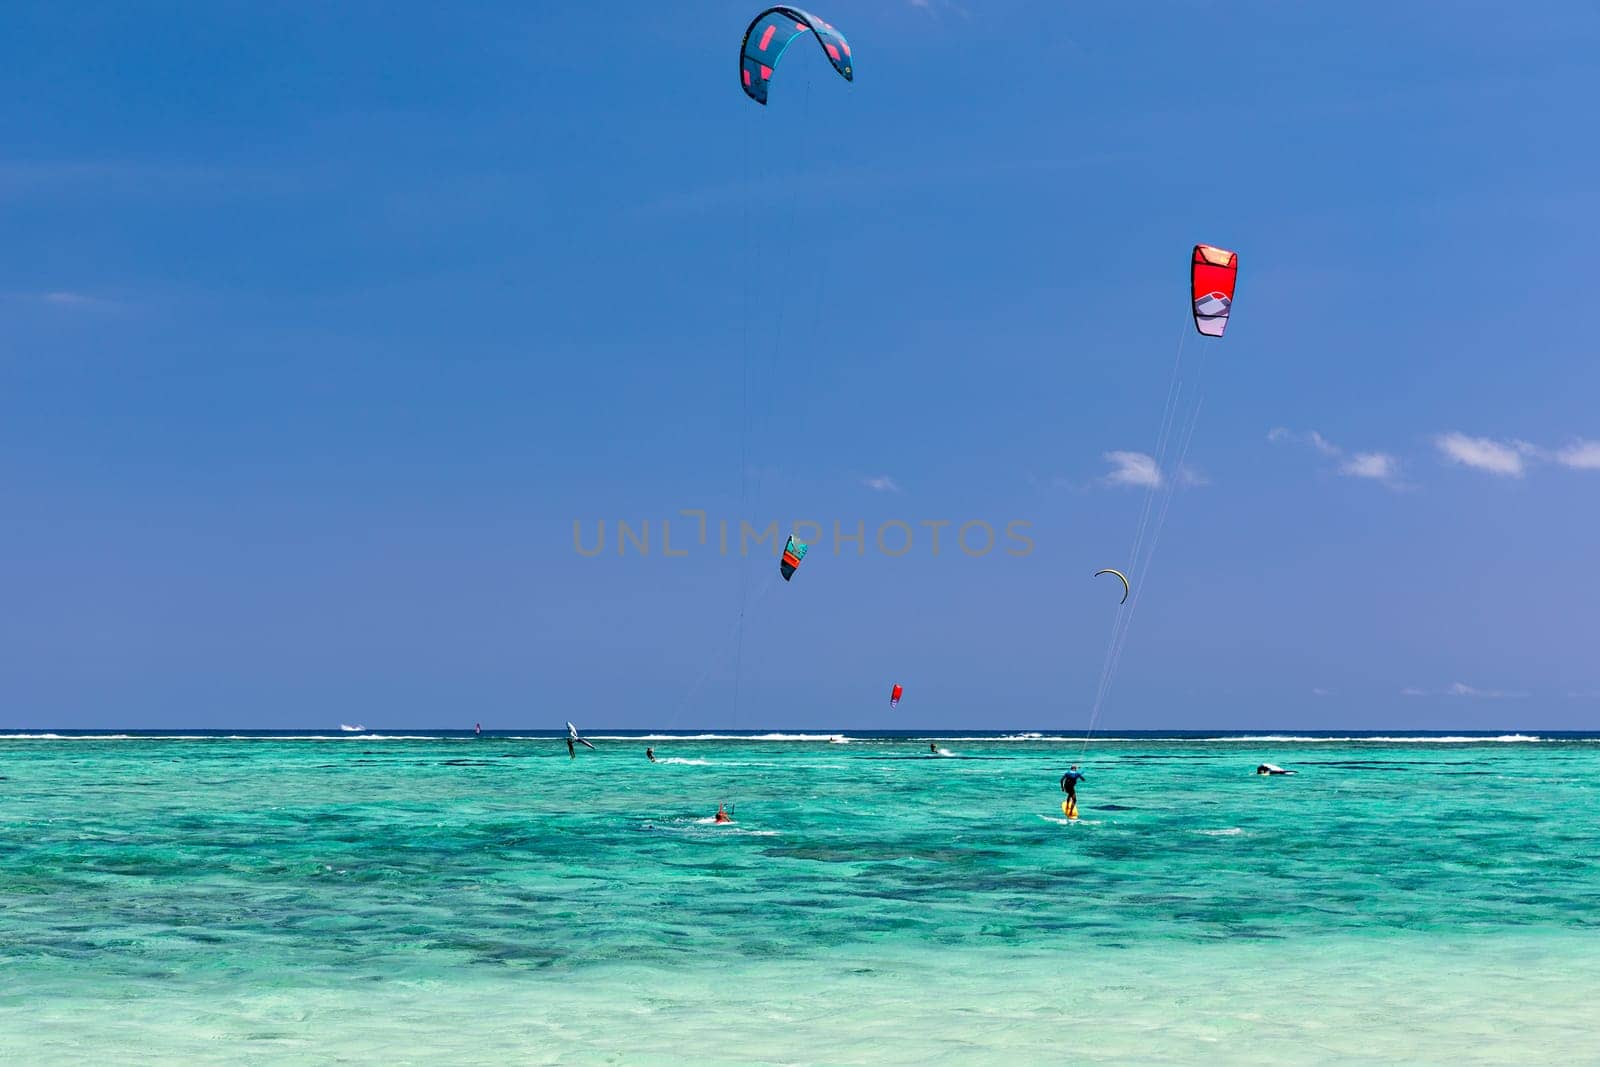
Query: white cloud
[1461, 689]
[1503, 458]
[1132, 468]
[1580, 455]
[1378, 466]
[1310, 437]
[1373, 466]
[1319, 692]
[881, 484]
[1192, 477]
[1512, 458]
[61, 298]
[1322, 444]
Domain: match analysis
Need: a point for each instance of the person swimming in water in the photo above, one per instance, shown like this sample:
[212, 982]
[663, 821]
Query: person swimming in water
[722, 815]
[1069, 784]
[650, 754]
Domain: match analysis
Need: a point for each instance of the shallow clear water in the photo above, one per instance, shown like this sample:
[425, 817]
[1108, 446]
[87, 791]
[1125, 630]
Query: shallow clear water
[458, 900]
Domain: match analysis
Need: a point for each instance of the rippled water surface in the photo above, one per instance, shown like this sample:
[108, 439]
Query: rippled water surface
[456, 900]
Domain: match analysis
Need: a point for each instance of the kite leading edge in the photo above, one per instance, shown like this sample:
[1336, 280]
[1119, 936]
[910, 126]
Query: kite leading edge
[1125, 587]
[770, 35]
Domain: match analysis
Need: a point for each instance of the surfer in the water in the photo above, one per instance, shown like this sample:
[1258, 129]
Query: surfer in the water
[1069, 784]
[933, 746]
[477, 729]
[650, 754]
[572, 750]
[722, 814]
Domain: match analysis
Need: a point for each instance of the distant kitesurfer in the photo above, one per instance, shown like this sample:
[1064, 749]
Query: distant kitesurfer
[572, 750]
[477, 729]
[1271, 768]
[722, 815]
[650, 754]
[933, 746]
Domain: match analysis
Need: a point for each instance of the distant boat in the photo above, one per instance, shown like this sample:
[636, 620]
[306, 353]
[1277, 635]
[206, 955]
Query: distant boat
[357, 729]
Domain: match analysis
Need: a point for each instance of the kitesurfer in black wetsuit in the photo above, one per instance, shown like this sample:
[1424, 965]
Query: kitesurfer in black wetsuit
[572, 750]
[650, 754]
[1069, 784]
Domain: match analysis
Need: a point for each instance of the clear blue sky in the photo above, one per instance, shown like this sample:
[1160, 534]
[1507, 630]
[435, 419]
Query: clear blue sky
[320, 324]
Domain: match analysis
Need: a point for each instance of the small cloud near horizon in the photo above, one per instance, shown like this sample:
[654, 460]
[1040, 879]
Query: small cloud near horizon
[62, 298]
[1512, 458]
[1462, 689]
[1380, 467]
[881, 484]
[1141, 471]
[1132, 468]
[1580, 455]
[1310, 437]
[1505, 459]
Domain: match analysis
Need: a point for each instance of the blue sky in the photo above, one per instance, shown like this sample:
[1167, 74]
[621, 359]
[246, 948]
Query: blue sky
[320, 325]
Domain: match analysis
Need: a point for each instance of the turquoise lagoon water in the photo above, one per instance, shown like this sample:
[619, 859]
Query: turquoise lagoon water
[450, 900]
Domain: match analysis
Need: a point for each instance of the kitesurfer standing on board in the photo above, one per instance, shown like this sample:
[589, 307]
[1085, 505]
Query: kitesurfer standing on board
[650, 754]
[1069, 784]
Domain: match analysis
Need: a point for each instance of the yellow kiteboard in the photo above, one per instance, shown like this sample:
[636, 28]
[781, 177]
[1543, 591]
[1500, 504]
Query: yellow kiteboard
[1069, 809]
